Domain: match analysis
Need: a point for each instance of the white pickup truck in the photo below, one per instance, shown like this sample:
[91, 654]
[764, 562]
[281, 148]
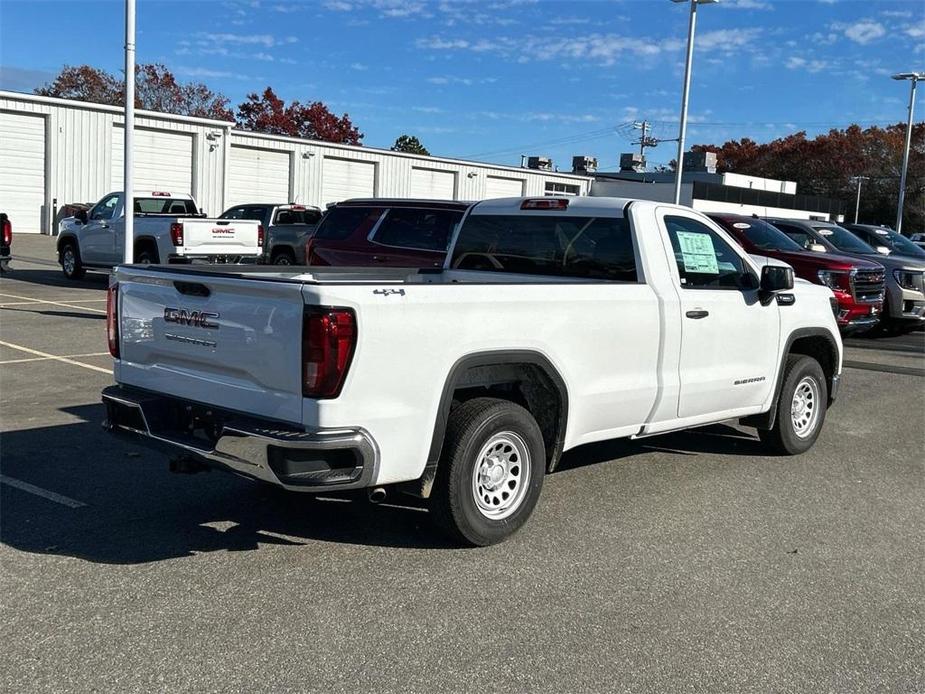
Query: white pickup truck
[168, 229]
[553, 323]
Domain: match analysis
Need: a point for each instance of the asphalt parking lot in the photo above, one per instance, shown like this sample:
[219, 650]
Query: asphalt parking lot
[688, 562]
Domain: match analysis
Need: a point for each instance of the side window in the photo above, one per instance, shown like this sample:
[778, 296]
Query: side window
[425, 230]
[342, 222]
[801, 237]
[705, 260]
[104, 209]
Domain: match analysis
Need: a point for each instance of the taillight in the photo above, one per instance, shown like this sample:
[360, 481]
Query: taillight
[112, 319]
[544, 204]
[7, 232]
[328, 340]
[260, 235]
[176, 233]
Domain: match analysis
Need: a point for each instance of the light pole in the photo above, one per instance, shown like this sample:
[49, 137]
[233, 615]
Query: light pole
[912, 77]
[857, 206]
[129, 153]
[684, 96]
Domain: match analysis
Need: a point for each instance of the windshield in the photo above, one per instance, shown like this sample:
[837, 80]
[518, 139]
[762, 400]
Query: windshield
[843, 239]
[900, 244]
[763, 236]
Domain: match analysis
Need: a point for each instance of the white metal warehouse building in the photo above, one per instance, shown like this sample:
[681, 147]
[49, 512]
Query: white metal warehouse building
[58, 151]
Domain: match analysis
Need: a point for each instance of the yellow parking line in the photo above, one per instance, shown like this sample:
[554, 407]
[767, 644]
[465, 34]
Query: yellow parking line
[54, 303]
[46, 355]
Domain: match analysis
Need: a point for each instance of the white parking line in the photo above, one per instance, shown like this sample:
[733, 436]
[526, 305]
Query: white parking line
[38, 491]
[46, 355]
[37, 301]
[63, 356]
[54, 303]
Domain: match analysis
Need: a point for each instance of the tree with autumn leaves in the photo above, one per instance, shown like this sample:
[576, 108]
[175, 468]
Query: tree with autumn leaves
[157, 89]
[826, 164]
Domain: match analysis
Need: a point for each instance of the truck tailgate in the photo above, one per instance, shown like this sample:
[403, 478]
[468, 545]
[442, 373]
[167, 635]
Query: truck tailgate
[220, 237]
[224, 341]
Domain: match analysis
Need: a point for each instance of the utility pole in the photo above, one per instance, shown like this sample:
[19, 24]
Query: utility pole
[128, 184]
[857, 206]
[913, 77]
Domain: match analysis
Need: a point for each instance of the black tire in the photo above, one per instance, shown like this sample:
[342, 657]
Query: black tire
[510, 432]
[70, 261]
[146, 256]
[283, 257]
[786, 437]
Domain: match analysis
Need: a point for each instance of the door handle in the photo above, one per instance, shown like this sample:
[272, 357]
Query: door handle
[699, 313]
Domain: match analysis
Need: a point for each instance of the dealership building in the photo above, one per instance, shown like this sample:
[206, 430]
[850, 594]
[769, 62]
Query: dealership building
[58, 151]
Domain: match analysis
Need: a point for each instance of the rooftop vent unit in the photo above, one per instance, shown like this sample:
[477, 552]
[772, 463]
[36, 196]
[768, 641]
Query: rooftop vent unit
[584, 165]
[539, 163]
[632, 161]
[701, 162]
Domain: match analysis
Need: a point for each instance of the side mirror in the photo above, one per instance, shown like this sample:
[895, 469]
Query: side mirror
[774, 278]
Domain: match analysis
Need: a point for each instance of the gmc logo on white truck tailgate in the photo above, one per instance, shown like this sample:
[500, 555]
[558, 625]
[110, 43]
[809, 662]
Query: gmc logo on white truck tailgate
[199, 319]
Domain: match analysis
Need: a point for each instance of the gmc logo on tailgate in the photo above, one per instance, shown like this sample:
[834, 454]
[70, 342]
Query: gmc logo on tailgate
[198, 319]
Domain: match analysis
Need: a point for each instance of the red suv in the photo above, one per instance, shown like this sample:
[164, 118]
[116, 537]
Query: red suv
[857, 284]
[396, 233]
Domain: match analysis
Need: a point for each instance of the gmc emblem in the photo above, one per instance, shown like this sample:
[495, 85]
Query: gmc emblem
[198, 319]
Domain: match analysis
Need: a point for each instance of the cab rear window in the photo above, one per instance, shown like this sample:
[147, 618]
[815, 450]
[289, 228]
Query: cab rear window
[343, 222]
[588, 247]
[164, 206]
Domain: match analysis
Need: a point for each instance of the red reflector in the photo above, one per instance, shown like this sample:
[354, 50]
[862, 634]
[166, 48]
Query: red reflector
[545, 204]
[112, 319]
[176, 233]
[328, 340]
[260, 235]
[7, 232]
[298, 208]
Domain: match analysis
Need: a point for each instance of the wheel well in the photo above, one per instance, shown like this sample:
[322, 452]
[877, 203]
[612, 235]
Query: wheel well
[147, 244]
[281, 250]
[525, 378]
[822, 350]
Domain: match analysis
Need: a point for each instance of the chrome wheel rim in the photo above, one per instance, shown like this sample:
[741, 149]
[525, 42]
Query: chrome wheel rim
[804, 408]
[68, 260]
[501, 475]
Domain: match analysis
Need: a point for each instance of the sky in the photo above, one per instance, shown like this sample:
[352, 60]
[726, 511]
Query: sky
[494, 79]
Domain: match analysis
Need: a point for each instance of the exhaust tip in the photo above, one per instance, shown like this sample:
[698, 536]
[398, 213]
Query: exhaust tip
[377, 495]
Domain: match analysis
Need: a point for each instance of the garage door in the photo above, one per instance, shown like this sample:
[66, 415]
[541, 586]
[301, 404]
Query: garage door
[258, 175]
[163, 161]
[432, 184]
[343, 179]
[498, 187]
[22, 170]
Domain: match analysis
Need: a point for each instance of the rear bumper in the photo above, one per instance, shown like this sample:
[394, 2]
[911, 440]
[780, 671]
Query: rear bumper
[232, 259]
[274, 452]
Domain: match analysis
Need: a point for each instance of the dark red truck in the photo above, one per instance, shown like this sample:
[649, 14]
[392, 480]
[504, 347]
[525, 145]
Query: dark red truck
[857, 284]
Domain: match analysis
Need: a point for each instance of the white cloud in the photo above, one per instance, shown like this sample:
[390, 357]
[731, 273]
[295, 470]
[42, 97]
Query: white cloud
[865, 31]
[205, 72]
[748, 5]
[916, 31]
[265, 40]
[807, 65]
[359, 66]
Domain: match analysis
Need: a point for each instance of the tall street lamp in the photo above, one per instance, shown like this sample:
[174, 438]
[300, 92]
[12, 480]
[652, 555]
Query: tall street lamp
[684, 97]
[912, 77]
[857, 206]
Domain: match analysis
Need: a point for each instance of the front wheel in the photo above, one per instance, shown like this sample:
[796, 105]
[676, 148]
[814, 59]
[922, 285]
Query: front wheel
[70, 262]
[801, 407]
[491, 471]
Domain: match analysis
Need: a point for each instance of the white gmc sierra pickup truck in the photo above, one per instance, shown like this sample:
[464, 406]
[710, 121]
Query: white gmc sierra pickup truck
[555, 322]
[168, 228]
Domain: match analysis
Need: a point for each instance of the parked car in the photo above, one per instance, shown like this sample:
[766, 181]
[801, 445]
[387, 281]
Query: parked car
[904, 301]
[168, 228]
[6, 242]
[594, 319]
[288, 228]
[380, 232]
[883, 237]
[857, 284]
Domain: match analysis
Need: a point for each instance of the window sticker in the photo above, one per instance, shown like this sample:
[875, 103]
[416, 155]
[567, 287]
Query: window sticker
[825, 232]
[697, 253]
[741, 225]
[882, 232]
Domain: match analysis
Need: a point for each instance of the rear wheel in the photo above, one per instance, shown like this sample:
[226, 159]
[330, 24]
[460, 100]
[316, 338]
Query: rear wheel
[70, 261]
[800, 409]
[490, 475]
[146, 256]
[283, 257]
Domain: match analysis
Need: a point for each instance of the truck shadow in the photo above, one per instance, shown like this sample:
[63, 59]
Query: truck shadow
[54, 278]
[134, 511]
